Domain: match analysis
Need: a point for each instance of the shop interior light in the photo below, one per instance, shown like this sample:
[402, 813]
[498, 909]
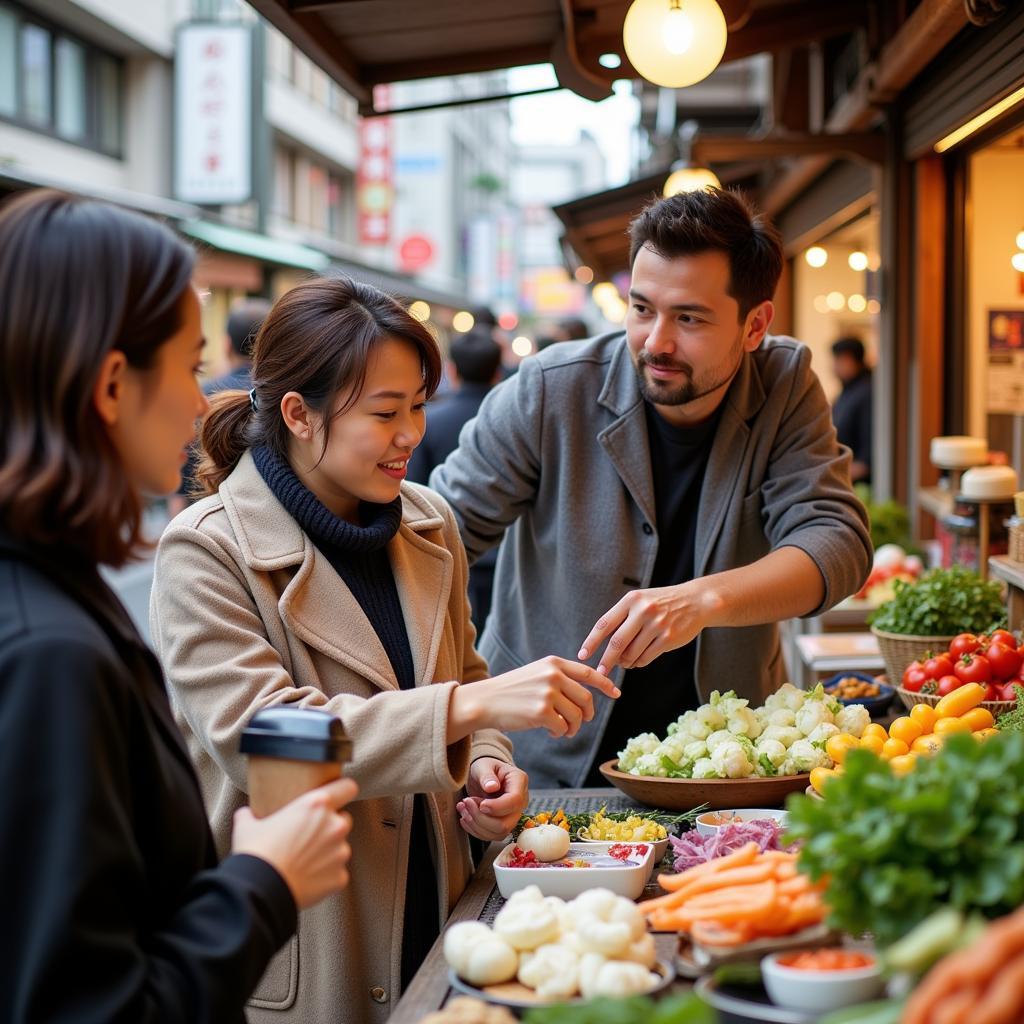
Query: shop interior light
[420, 310]
[816, 256]
[690, 179]
[835, 300]
[614, 312]
[604, 292]
[508, 321]
[1020, 239]
[463, 321]
[583, 274]
[820, 304]
[874, 307]
[674, 43]
[1017, 261]
[965, 130]
[874, 262]
[856, 303]
[522, 346]
[610, 61]
[858, 260]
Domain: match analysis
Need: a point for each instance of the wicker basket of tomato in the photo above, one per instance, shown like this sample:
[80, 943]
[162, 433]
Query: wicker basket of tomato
[996, 661]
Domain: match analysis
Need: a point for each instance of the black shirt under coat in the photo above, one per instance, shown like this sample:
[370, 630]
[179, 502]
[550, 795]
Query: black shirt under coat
[115, 910]
[657, 694]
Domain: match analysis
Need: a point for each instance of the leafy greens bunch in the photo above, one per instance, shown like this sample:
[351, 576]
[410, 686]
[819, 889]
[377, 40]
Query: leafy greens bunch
[943, 602]
[895, 849]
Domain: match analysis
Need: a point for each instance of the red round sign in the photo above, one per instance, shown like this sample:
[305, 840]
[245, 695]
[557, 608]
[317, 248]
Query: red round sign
[416, 252]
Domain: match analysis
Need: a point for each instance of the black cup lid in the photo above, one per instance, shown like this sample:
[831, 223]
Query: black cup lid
[296, 734]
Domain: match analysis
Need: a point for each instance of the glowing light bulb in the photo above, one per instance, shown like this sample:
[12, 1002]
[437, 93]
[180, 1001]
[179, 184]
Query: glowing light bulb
[816, 256]
[677, 31]
[522, 346]
[858, 260]
[463, 321]
[1017, 261]
[835, 300]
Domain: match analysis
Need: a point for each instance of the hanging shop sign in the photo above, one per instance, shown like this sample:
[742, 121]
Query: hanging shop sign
[213, 113]
[1006, 361]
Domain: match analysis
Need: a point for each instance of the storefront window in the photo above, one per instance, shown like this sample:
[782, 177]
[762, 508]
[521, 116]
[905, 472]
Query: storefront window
[35, 79]
[109, 103]
[995, 290]
[71, 89]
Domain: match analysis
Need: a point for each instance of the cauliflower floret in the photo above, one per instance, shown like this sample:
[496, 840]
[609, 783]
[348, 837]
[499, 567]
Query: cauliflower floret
[786, 697]
[643, 951]
[552, 971]
[822, 733]
[605, 923]
[705, 769]
[716, 739]
[787, 735]
[695, 750]
[803, 756]
[711, 717]
[854, 719]
[673, 747]
[645, 743]
[731, 761]
[782, 716]
[743, 722]
[478, 955]
[650, 765]
[773, 750]
[811, 715]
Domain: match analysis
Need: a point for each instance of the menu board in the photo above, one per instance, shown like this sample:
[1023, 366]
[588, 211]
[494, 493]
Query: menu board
[1006, 361]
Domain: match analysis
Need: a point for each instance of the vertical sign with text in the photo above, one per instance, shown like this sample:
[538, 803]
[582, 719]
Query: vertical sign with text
[213, 127]
[375, 180]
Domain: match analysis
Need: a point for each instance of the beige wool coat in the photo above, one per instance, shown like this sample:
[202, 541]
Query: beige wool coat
[246, 613]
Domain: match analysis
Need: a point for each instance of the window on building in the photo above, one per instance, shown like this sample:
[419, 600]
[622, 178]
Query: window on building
[71, 89]
[8, 63]
[56, 83]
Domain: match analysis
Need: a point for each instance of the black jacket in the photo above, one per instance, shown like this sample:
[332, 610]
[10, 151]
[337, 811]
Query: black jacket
[113, 906]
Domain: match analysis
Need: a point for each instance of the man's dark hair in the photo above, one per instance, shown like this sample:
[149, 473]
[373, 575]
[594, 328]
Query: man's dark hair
[476, 356]
[849, 347]
[714, 220]
[244, 323]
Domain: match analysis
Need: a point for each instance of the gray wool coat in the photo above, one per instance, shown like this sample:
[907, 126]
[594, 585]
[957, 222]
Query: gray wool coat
[558, 464]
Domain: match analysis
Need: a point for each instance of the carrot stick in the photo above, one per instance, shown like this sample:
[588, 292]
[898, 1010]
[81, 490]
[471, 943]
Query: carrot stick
[744, 855]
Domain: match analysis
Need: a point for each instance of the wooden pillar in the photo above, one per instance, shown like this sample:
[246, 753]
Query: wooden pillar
[929, 335]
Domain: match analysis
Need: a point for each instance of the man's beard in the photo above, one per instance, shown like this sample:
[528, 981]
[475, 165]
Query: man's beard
[690, 389]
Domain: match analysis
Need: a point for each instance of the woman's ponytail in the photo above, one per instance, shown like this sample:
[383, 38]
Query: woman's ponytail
[223, 439]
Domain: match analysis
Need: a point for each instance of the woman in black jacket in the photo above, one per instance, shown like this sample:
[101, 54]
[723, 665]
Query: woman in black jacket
[114, 908]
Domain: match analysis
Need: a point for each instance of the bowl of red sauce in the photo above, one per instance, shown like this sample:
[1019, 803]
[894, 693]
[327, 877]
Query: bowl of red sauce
[818, 980]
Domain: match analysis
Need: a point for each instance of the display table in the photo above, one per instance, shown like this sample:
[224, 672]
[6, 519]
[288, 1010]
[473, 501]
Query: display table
[1001, 567]
[429, 989]
[827, 653]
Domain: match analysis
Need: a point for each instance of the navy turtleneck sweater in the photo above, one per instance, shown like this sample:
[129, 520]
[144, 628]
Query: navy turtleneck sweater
[359, 556]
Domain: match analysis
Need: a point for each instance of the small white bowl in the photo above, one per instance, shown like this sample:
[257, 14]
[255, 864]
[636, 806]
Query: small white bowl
[659, 847]
[567, 883]
[819, 991]
[706, 828]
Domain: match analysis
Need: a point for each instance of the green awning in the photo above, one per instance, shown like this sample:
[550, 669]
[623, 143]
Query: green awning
[259, 247]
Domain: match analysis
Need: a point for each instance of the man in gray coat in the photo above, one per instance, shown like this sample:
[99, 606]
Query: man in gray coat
[666, 494]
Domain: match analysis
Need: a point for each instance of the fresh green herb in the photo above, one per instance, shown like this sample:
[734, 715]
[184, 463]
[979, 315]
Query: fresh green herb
[1013, 720]
[675, 771]
[890, 521]
[745, 974]
[682, 1009]
[948, 833]
[765, 762]
[943, 602]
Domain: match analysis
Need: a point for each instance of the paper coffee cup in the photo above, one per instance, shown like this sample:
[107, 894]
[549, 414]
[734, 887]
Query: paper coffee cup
[291, 751]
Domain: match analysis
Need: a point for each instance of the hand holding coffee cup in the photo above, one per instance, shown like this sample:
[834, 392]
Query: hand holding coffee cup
[297, 793]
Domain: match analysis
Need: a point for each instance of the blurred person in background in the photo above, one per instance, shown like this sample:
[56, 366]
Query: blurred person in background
[852, 409]
[474, 365]
[244, 322]
[116, 909]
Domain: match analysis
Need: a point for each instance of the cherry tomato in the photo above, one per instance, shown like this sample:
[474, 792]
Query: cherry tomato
[914, 679]
[938, 665]
[965, 643]
[973, 668]
[914, 666]
[993, 691]
[1006, 691]
[1003, 636]
[1004, 661]
[947, 684]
